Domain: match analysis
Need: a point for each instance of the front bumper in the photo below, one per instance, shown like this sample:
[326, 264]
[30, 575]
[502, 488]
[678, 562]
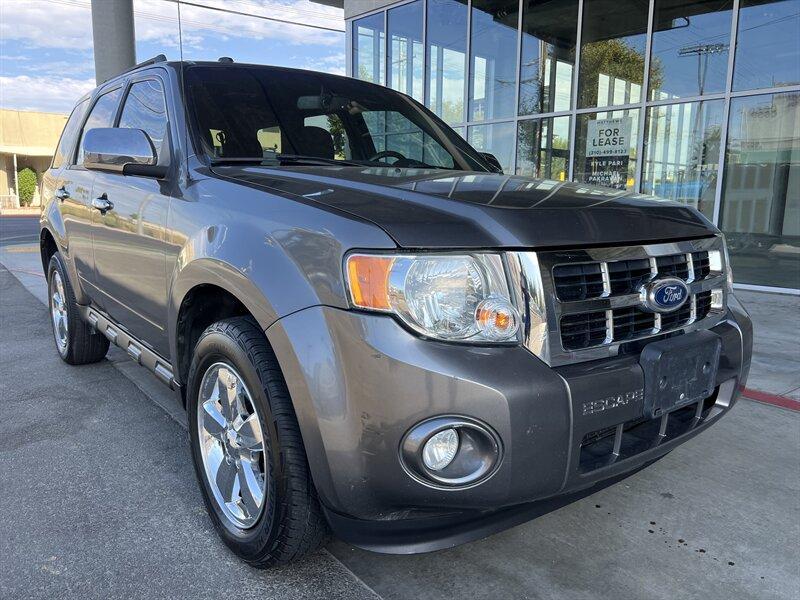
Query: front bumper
[360, 381]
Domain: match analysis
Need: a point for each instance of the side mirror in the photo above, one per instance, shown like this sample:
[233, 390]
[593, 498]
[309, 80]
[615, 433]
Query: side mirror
[121, 150]
[492, 160]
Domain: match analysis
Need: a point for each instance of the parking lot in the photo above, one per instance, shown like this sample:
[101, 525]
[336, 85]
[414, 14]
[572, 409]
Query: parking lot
[100, 501]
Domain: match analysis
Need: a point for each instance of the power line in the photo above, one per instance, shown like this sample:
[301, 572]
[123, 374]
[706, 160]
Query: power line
[163, 18]
[262, 17]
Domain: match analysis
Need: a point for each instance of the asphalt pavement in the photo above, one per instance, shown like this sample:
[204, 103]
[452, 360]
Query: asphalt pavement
[100, 501]
[18, 230]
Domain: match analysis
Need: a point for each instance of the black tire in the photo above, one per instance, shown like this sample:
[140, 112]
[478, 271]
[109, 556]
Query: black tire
[83, 344]
[291, 523]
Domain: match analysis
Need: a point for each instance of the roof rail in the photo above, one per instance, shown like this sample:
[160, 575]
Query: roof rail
[150, 61]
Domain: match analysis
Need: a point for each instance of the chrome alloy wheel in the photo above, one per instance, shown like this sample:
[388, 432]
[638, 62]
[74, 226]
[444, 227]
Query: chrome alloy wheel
[58, 311]
[232, 445]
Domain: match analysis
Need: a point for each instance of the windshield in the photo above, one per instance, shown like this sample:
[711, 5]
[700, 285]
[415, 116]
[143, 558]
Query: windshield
[285, 116]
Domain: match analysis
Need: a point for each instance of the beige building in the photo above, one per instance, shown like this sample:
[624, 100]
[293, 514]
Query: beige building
[27, 139]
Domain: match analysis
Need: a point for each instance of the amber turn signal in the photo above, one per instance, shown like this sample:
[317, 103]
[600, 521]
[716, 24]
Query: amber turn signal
[368, 277]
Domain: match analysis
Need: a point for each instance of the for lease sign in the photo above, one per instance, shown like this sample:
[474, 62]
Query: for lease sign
[608, 137]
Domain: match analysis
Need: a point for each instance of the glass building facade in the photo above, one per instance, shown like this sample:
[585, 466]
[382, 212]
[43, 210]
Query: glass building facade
[698, 102]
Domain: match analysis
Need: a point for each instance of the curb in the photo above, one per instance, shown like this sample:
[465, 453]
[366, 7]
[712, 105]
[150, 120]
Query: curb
[773, 399]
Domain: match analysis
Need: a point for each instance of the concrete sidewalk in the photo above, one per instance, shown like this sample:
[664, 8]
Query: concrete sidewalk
[105, 503]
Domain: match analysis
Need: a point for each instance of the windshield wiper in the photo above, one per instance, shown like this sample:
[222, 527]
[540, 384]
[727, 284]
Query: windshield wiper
[284, 158]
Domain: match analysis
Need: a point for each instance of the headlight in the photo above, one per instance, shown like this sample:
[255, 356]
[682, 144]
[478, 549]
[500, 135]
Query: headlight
[452, 297]
[720, 262]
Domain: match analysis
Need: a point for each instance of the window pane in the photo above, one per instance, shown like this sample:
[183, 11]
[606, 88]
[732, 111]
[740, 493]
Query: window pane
[767, 45]
[761, 190]
[68, 135]
[494, 60]
[497, 139]
[447, 58]
[145, 109]
[605, 148]
[543, 148]
[612, 52]
[548, 55]
[368, 49]
[102, 115]
[405, 50]
[690, 48]
[682, 153]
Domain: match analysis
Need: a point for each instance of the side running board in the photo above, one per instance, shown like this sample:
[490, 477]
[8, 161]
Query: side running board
[135, 349]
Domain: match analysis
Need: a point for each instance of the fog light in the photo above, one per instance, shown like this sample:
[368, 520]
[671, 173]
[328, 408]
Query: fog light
[440, 450]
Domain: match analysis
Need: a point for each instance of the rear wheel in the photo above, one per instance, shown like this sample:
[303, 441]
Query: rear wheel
[77, 342]
[247, 449]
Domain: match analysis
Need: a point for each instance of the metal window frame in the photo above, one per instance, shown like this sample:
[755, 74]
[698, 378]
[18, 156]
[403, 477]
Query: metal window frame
[644, 105]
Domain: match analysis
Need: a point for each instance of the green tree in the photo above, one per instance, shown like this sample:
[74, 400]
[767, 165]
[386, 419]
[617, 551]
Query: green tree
[27, 182]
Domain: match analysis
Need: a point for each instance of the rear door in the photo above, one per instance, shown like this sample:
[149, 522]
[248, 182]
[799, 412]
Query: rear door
[129, 238]
[74, 188]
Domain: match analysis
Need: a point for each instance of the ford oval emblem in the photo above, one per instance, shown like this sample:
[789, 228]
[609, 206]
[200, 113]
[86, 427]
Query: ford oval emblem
[664, 295]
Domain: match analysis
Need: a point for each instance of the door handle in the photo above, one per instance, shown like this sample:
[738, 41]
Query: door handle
[103, 204]
[62, 193]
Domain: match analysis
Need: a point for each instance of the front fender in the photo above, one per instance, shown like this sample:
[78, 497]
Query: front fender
[52, 222]
[272, 269]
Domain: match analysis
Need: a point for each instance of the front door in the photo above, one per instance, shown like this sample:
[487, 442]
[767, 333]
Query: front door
[129, 237]
[73, 187]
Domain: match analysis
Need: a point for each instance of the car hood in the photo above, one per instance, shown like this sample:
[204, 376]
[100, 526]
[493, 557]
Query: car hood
[425, 208]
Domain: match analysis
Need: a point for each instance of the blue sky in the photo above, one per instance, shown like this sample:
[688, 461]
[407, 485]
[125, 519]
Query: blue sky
[47, 61]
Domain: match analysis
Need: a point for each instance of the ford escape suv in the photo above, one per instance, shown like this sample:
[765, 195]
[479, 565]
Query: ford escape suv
[374, 331]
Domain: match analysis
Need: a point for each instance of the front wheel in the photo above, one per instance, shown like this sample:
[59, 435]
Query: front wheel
[247, 449]
[76, 341]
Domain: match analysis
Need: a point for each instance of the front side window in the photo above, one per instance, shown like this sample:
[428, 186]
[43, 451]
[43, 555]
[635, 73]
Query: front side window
[145, 109]
[102, 115]
[269, 114]
[68, 135]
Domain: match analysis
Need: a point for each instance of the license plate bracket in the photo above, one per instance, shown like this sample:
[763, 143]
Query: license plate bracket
[678, 371]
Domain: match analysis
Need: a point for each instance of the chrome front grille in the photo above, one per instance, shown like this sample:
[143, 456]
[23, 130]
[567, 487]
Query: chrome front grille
[592, 297]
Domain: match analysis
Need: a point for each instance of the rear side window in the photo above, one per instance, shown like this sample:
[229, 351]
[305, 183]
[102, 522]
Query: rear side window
[145, 109]
[68, 135]
[102, 115]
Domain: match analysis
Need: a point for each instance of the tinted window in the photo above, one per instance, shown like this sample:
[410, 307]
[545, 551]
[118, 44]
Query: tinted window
[102, 115]
[68, 135]
[145, 109]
